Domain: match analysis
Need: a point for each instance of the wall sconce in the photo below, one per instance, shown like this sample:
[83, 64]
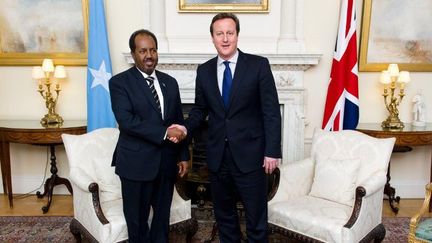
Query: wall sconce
[392, 79]
[48, 76]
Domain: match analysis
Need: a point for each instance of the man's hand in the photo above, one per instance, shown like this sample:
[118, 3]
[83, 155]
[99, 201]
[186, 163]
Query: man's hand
[270, 164]
[176, 133]
[183, 168]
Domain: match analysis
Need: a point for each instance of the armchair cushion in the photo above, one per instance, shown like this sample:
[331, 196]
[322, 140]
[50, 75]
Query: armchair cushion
[314, 217]
[335, 179]
[374, 154]
[424, 230]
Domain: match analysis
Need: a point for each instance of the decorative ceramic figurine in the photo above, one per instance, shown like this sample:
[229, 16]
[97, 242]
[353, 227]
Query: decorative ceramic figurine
[418, 111]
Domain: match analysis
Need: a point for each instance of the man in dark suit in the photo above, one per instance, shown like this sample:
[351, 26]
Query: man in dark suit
[145, 103]
[238, 93]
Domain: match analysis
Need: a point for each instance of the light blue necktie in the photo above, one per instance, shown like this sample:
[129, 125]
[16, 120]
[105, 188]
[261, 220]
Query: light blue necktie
[226, 83]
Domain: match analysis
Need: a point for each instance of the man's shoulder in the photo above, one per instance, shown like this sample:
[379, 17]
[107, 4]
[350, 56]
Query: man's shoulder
[209, 63]
[125, 72]
[123, 75]
[252, 57]
[163, 75]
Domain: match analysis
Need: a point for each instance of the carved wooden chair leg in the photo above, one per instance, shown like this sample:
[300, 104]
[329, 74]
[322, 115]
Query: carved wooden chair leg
[381, 234]
[74, 229]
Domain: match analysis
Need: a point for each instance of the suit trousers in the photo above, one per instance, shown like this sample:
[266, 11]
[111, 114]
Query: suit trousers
[138, 197]
[229, 185]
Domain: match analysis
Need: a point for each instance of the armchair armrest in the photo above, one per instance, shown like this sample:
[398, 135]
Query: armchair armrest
[273, 183]
[81, 178]
[367, 209]
[85, 183]
[295, 180]
[374, 183]
[365, 193]
[180, 187]
[94, 189]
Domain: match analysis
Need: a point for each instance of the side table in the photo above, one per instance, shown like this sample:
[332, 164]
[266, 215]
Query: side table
[31, 132]
[406, 138]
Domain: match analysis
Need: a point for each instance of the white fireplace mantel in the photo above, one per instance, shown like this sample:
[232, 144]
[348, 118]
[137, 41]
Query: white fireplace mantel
[288, 71]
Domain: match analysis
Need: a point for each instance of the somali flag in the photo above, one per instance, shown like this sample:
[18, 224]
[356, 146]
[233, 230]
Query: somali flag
[99, 113]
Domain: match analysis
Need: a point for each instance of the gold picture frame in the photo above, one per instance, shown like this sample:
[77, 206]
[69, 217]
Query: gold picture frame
[60, 33]
[246, 6]
[395, 32]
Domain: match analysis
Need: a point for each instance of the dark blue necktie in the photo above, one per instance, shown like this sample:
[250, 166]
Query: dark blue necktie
[226, 83]
[150, 81]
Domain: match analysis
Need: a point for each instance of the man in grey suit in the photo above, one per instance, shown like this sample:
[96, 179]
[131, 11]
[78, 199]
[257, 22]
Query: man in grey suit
[237, 92]
[145, 103]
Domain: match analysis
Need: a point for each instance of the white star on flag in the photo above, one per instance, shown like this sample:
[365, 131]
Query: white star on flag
[101, 76]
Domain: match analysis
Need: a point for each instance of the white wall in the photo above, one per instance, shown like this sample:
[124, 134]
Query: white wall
[409, 171]
[189, 32]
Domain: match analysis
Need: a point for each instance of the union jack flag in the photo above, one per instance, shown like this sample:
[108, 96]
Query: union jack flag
[342, 103]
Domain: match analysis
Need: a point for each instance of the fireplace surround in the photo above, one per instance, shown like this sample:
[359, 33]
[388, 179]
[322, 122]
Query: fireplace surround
[288, 71]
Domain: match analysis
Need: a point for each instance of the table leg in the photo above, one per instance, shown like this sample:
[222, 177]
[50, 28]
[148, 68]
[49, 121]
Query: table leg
[3, 170]
[430, 180]
[6, 171]
[53, 181]
[390, 192]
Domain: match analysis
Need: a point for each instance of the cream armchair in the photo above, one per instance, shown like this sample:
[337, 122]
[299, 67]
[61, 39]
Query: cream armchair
[97, 200]
[335, 195]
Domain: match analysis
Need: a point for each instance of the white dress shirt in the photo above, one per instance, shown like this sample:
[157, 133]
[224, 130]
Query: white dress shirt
[221, 68]
[157, 87]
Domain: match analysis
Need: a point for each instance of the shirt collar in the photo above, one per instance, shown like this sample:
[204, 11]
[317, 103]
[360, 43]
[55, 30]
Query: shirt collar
[233, 59]
[145, 75]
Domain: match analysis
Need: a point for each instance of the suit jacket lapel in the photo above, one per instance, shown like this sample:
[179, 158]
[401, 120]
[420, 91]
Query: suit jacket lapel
[164, 93]
[213, 83]
[142, 83]
[239, 73]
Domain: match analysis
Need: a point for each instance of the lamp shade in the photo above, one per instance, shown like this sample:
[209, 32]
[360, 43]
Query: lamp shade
[38, 73]
[60, 72]
[48, 65]
[404, 77]
[385, 77]
[393, 70]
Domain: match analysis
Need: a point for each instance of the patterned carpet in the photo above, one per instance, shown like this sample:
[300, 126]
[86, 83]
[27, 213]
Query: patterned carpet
[35, 229]
[397, 229]
[56, 229]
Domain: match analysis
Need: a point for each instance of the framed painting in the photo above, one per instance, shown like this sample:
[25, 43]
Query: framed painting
[33, 30]
[224, 6]
[396, 31]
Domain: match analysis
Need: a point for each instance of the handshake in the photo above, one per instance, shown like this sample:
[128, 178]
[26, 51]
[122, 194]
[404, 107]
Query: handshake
[176, 133]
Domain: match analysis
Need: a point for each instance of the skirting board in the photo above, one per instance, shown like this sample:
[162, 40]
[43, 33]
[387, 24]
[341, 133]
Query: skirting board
[31, 184]
[21, 185]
